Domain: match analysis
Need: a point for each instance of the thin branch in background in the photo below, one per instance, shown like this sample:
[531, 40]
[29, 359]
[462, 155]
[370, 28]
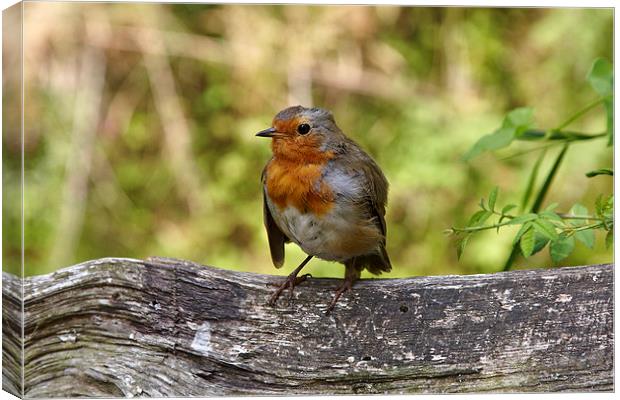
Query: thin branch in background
[122, 105]
[177, 137]
[83, 136]
[334, 74]
[354, 78]
[104, 173]
[116, 119]
[180, 44]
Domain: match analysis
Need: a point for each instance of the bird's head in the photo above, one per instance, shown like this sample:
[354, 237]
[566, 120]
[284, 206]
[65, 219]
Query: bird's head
[303, 130]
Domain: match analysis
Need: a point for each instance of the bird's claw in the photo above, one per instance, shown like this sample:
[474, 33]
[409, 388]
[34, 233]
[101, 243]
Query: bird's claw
[345, 286]
[290, 282]
[297, 281]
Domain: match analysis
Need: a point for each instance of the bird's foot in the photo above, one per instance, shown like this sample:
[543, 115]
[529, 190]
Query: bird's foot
[344, 286]
[291, 281]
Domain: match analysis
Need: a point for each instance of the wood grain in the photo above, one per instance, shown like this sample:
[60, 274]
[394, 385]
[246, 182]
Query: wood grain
[165, 327]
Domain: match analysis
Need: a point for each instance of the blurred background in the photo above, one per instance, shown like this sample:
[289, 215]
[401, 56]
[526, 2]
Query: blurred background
[140, 122]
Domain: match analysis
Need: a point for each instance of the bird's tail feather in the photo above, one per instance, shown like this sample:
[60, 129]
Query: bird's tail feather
[376, 263]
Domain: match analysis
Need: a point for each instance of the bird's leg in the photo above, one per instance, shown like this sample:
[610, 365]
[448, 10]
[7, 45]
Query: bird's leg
[351, 274]
[291, 281]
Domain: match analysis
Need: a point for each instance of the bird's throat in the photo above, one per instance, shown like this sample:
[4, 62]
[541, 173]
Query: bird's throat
[296, 181]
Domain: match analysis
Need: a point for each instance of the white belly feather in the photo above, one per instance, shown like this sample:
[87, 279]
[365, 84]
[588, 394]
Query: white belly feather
[329, 236]
[318, 236]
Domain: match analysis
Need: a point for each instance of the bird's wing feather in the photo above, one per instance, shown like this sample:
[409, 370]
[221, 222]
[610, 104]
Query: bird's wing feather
[274, 235]
[377, 193]
[372, 202]
[375, 184]
[376, 199]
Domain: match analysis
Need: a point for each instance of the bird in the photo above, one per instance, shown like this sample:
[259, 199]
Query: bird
[323, 192]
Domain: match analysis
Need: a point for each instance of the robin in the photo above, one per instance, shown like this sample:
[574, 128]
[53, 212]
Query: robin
[324, 193]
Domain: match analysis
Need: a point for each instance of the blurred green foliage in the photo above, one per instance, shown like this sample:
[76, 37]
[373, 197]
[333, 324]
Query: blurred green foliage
[539, 228]
[140, 122]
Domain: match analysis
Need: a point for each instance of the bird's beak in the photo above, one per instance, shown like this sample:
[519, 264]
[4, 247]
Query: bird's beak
[270, 132]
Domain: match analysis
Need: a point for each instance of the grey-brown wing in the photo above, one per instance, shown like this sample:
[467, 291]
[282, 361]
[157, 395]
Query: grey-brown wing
[375, 184]
[353, 162]
[377, 196]
[274, 235]
[373, 201]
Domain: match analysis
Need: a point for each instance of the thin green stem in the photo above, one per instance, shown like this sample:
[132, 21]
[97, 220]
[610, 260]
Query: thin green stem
[480, 228]
[580, 113]
[552, 134]
[532, 180]
[494, 226]
[568, 216]
[586, 227]
[561, 215]
[530, 151]
[539, 200]
[547, 184]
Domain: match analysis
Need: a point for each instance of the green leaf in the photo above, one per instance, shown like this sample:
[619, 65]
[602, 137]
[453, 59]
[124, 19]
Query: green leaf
[493, 198]
[604, 207]
[532, 180]
[601, 171]
[551, 207]
[551, 216]
[586, 237]
[508, 208]
[522, 218]
[482, 205]
[561, 247]
[520, 118]
[479, 218]
[610, 201]
[460, 246]
[515, 122]
[598, 206]
[601, 77]
[578, 210]
[609, 239]
[602, 81]
[527, 242]
[498, 139]
[545, 228]
[520, 233]
[539, 243]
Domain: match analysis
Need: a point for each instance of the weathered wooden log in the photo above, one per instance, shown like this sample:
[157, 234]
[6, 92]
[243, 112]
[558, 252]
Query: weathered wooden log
[164, 327]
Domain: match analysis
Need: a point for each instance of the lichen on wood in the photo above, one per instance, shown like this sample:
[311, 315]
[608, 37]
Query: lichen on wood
[166, 327]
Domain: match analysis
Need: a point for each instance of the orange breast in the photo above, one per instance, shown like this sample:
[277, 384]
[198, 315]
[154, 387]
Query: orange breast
[293, 182]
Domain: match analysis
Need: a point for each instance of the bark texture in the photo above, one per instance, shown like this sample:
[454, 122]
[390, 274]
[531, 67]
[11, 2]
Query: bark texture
[165, 327]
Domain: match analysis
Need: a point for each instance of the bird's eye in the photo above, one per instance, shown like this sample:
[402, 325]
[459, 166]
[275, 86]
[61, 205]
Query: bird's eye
[303, 129]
